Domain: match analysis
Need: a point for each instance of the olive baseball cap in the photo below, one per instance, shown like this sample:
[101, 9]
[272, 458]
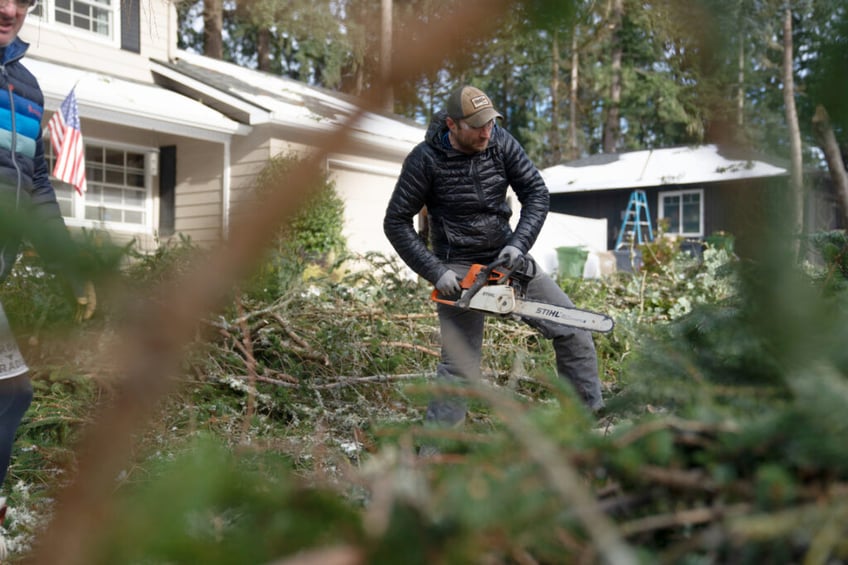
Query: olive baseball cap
[472, 105]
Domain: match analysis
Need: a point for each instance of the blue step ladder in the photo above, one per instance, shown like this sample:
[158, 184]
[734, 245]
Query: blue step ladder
[636, 217]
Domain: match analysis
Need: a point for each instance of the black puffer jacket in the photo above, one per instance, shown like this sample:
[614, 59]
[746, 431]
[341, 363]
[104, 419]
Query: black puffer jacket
[465, 196]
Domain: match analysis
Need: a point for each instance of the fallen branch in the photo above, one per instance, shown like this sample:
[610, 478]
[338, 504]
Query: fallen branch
[681, 518]
[677, 478]
[676, 424]
[383, 315]
[309, 351]
[288, 381]
[413, 347]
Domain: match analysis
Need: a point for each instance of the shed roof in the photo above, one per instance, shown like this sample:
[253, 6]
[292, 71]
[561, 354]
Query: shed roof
[657, 167]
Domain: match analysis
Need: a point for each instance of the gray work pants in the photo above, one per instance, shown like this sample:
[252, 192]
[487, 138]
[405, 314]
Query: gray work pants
[462, 344]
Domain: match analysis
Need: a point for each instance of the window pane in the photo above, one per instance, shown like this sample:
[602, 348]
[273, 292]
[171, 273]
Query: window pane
[671, 212]
[135, 179]
[134, 198]
[116, 193]
[692, 213]
[93, 213]
[95, 16]
[81, 18]
[114, 157]
[93, 154]
[113, 196]
[109, 215]
[135, 161]
[133, 217]
[114, 177]
[101, 17]
[92, 173]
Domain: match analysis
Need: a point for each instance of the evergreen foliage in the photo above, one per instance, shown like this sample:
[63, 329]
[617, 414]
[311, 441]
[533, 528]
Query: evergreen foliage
[312, 237]
[695, 72]
[722, 444]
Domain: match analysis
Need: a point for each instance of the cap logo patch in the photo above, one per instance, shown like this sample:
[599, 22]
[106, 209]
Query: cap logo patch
[479, 102]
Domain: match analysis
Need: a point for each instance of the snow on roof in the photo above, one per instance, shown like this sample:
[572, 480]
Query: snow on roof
[147, 106]
[655, 167]
[284, 101]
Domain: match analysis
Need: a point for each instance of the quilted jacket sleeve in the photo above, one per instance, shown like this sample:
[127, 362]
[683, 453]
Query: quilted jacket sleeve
[531, 190]
[408, 197]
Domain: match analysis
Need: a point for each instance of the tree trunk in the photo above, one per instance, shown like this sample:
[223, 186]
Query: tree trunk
[797, 181]
[358, 85]
[386, 56]
[556, 144]
[263, 49]
[612, 127]
[740, 87]
[213, 23]
[828, 143]
[573, 151]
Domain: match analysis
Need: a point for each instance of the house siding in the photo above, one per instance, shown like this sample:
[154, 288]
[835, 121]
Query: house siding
[365, 186]
[63, 44]
[199, 211]
[248, 157]
[740, 208]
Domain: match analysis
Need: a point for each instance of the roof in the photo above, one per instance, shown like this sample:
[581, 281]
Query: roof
[146, 106]
[657, 167]
[256, 97]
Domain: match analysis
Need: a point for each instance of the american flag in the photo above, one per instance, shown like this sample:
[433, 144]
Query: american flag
[66, 138]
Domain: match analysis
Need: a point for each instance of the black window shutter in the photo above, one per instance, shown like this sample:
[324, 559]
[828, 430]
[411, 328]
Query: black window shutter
[167, 189]
[131, 25]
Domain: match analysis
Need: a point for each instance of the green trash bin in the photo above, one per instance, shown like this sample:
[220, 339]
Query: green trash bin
[571, 261]
[721, 240]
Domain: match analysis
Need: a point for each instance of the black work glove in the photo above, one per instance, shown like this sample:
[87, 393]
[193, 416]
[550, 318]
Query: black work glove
[513, 255]
[449, 284]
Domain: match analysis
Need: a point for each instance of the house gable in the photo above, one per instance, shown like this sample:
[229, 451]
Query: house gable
[193, 132]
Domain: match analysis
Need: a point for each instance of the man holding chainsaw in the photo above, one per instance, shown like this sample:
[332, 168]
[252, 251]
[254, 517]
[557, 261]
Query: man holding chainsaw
[460, 173]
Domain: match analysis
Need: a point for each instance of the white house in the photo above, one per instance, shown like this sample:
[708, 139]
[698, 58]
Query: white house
[174, 140]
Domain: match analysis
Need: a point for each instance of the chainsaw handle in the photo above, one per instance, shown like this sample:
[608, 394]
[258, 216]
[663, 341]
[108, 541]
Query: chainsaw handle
[476, 278]
[483, 277]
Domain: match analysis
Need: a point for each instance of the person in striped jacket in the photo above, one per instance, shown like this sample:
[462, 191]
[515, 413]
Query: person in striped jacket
[28, 211]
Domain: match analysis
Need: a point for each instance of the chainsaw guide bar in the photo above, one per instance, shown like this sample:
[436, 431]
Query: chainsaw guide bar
[500, 292]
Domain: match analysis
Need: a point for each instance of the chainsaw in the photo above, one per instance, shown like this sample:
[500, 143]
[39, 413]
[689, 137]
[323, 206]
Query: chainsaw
[495, 290]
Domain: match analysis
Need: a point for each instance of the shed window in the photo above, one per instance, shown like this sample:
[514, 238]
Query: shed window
[684, 211]
[119, 189]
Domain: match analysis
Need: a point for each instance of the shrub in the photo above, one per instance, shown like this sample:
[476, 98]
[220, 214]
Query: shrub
[314, 236]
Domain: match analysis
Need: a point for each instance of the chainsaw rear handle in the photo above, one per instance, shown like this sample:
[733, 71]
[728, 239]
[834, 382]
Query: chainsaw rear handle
[476, 278]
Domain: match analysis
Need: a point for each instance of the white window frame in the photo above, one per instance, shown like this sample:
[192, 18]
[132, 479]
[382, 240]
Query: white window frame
[78, 201]
[681, 193]
[46, 13]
